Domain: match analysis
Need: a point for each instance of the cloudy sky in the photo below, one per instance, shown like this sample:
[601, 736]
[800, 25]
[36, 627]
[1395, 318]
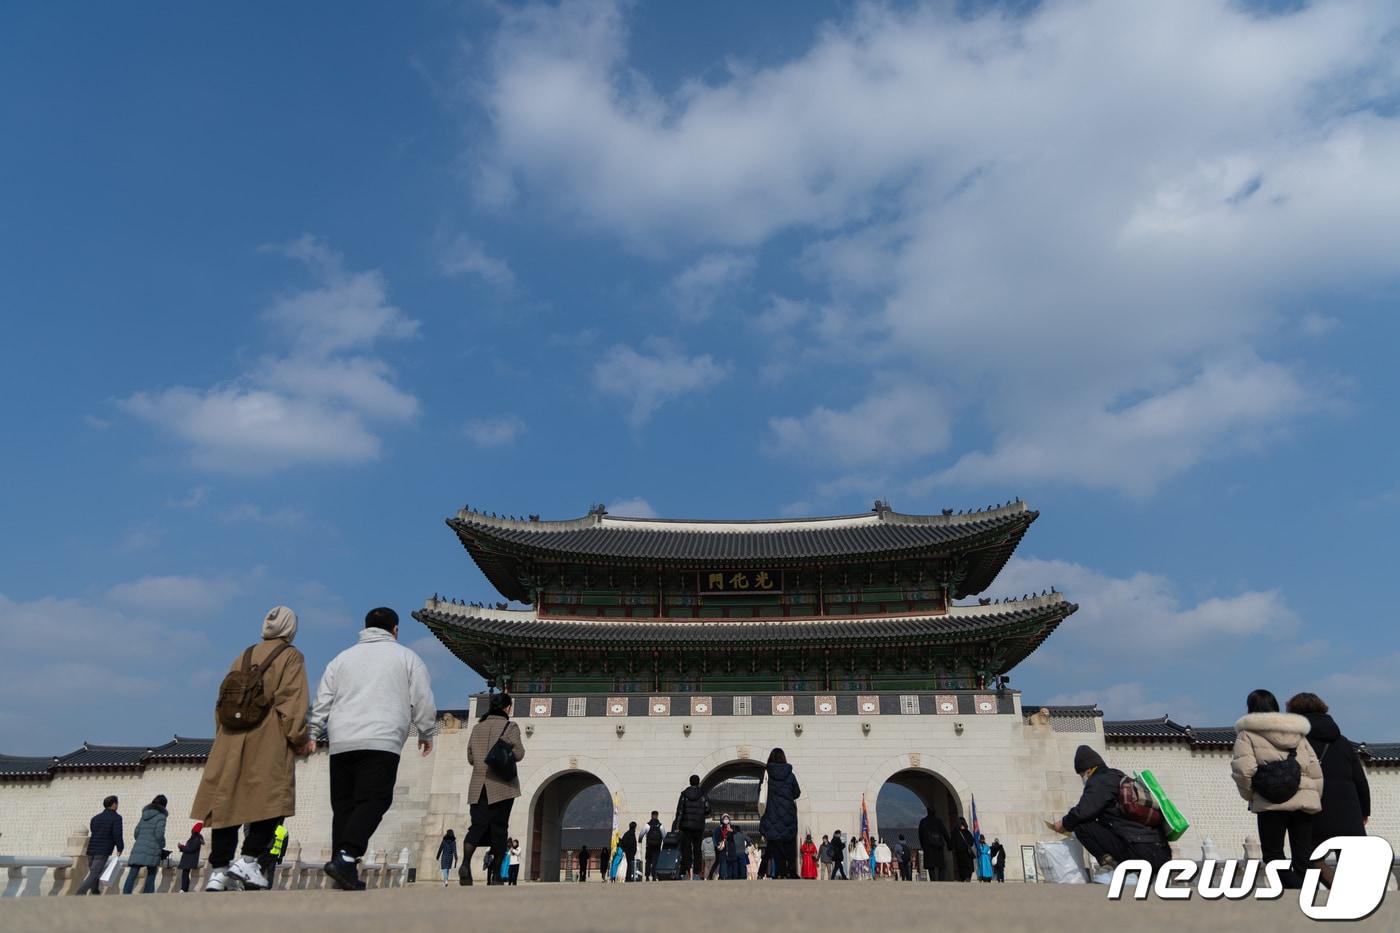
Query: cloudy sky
[284, 287]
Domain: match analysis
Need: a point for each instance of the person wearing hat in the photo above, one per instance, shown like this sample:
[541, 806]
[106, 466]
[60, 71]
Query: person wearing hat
[369, 696]
[249, 778]
[1098, 823]
[189, 855]
[491, 793]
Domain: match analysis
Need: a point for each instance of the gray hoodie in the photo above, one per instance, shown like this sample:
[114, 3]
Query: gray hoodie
[370, 694]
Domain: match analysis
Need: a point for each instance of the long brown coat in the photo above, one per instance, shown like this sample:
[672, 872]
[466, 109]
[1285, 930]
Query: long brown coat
[483, 738]
[251, 775]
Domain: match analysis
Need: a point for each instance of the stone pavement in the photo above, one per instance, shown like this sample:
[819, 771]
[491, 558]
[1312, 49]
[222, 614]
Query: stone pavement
[873, 907]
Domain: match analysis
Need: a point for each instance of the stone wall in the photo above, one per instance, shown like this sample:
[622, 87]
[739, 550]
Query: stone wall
[1020, 772]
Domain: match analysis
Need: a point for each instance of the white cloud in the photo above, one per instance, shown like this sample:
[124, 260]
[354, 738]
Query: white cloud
[713, 278]
[1064, 221]
[316, 404]
[465, 256]
[635, 507]
[892, 426]
[650, 378]
[254, 514]
[1143, 616]
[501, 431]
[173, 595]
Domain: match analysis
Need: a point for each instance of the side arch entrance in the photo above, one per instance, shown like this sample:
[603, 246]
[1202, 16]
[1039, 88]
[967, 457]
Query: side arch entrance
[572, 809]
[904, 799]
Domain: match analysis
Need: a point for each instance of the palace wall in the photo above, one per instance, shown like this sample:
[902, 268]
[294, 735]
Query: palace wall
[1020, 771]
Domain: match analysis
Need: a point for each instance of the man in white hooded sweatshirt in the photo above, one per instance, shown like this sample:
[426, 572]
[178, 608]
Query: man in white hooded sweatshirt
[368, 697]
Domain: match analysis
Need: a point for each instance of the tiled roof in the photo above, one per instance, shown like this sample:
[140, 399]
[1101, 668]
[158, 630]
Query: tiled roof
[21, 768]
[1381, 752]
[1087, 711]
[525, 627]
[1220, 736]
[986, 538]
[107, 757]
[1162, 728]
[181, 749]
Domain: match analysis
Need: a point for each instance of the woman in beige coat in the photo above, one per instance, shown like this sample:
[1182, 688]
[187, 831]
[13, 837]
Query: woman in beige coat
[250, 776]
[491, 795]
[1265, 735]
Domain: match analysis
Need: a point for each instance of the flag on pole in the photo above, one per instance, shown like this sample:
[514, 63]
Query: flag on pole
[980, 857]
[864, 823]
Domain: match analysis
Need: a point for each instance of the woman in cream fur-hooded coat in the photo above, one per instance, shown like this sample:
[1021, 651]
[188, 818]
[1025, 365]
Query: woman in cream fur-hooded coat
[1264, 737]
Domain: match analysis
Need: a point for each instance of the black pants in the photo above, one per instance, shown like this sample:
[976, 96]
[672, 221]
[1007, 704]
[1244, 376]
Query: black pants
[490, 824]
[583, 870]
[962, 864]
[653, 853]
[257, 839]
[1297, 825]
[362, 789]
[906, 870]
[838, 867]
[783, 857]
[692, 859]
[1100, 840]
[515, 874]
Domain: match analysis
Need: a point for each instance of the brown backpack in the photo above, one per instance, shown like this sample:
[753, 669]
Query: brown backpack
[243, 703]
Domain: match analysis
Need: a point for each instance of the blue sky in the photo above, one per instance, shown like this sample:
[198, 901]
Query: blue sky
[284, 287]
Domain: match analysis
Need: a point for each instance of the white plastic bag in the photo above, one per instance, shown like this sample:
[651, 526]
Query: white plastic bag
[110, 871]
[1060, 862]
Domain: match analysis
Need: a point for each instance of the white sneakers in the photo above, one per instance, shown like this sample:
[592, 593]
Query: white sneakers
[218, 880]
[247, 871]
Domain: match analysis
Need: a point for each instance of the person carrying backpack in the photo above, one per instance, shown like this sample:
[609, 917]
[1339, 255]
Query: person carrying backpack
[249, 778]
[1277, 771]
[1100, 824]
[654, 838]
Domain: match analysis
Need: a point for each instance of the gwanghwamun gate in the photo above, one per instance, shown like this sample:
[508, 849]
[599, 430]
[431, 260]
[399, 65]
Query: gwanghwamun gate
[655, 649]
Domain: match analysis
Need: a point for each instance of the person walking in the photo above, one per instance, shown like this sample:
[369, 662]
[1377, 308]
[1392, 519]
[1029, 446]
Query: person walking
[860, 858]
[723, 838]
[779, 821]
[963, 851]
[447, 855]
[147, 846]
[275, 853]
[654, 838]
[104, 838]
[249, 779]
[1101, 826]
[838, 856]
[189, 855]
[1264, 739]
[883, 859]
[999, 861]
[692, 810]
[583, 857]
[628, 845]
[934, 840]
[904, 858]
[493, 749]
[809, 858]
[824, 859]
[368, 697]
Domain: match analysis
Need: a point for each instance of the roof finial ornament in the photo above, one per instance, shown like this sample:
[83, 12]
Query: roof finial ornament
[947, 512]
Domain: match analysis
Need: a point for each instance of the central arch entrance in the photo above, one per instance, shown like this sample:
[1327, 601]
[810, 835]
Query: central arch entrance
[904, 799]
[574, 809]
[733, 788]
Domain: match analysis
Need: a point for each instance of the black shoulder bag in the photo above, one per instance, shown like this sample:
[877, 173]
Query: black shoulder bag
[500, 760]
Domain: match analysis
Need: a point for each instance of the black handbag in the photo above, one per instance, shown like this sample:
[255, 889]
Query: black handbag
[1278, 781]
[500, 760]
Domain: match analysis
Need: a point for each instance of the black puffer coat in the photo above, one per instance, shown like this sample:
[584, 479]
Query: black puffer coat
[780, 818]
[692, 809]
[189, 852]
[1346, 794]
[106, 834]
[1099, 803]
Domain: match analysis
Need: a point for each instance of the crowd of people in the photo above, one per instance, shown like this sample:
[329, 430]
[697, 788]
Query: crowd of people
[368, 698]
[1301, 778]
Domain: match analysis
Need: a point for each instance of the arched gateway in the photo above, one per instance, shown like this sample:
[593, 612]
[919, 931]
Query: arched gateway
[657, 649]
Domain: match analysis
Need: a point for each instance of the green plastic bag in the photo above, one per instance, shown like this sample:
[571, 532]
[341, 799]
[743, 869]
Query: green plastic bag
[1176, 824]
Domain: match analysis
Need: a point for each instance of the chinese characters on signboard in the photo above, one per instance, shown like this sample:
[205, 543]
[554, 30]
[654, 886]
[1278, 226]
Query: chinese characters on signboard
[733, 582]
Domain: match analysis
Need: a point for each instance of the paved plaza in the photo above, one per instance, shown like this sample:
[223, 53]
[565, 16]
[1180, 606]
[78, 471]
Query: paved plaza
[670, 907]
